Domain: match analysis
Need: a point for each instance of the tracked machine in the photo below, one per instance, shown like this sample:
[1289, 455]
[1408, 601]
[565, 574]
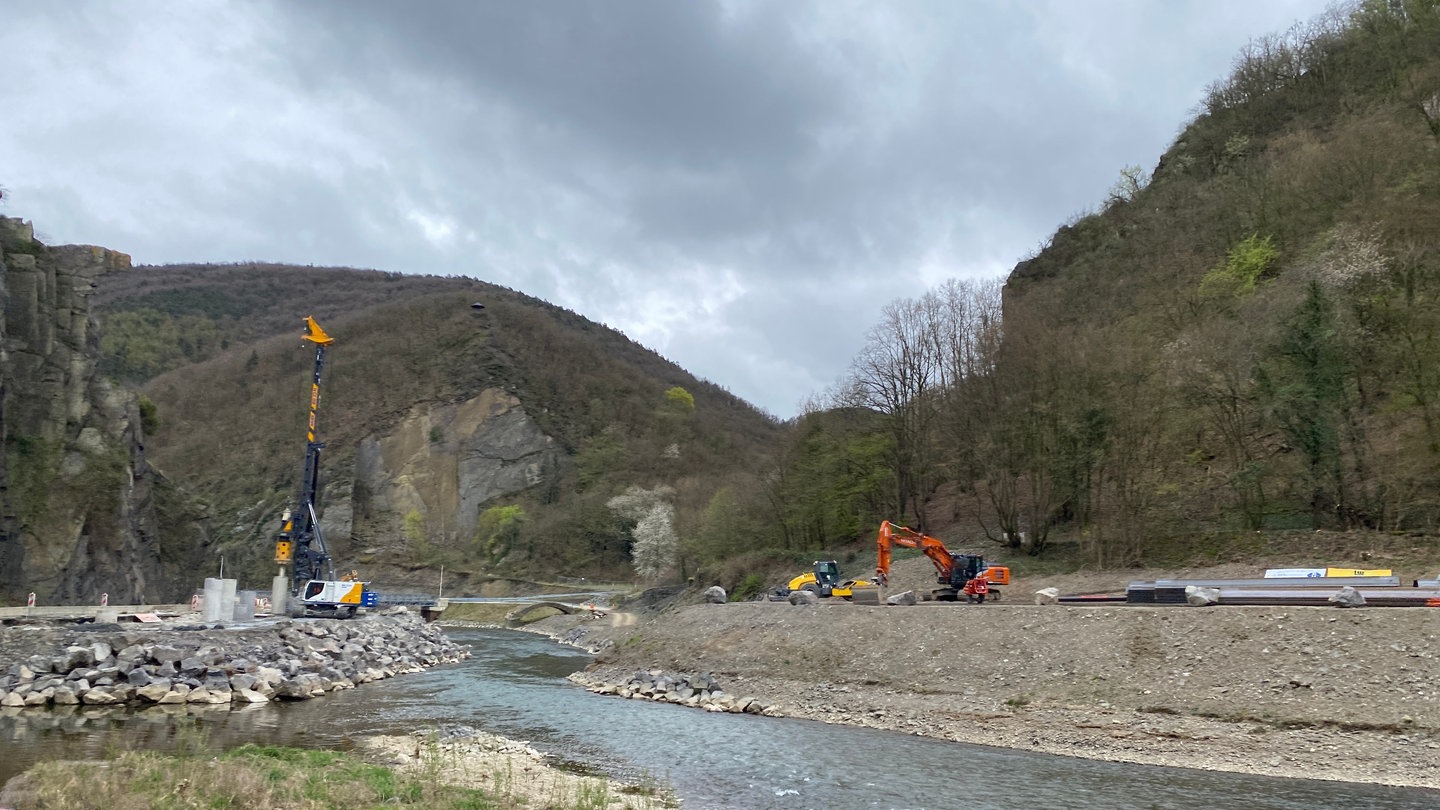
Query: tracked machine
[312, 586]
[959, 575]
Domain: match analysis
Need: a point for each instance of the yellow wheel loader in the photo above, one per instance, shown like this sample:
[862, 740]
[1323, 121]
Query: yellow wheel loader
[825, 580]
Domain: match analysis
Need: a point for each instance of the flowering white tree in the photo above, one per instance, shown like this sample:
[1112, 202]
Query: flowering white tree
[1354, 254]
[655, 545]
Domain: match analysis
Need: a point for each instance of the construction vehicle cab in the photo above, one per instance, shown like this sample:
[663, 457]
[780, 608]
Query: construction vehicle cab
[969, 575]
[824, 580]
[338, 597]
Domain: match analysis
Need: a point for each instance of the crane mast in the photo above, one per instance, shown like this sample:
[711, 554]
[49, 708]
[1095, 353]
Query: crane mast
[301, 541]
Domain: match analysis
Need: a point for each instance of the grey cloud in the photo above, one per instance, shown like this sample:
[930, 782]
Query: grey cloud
[662, 83]
[747, 182]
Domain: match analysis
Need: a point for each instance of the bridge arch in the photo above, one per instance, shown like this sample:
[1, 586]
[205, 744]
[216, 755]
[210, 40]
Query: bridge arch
[518, 614]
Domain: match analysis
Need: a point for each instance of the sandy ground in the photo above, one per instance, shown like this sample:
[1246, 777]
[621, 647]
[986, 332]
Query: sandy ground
[1318, 693]
[509, 770]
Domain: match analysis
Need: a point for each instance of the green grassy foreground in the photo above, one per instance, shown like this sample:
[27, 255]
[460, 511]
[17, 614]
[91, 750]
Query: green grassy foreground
[273, 778]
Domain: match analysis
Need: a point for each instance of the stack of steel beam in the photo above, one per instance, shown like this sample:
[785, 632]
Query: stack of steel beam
[1374, 597]
[1377, 591]
[1091, 598]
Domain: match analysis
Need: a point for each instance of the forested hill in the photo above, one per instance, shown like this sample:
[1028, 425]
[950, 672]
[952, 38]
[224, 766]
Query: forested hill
[466, 424]
[1249, 337]
[1243, 341]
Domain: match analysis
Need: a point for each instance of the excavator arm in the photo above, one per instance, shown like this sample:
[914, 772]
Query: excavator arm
[893, 535]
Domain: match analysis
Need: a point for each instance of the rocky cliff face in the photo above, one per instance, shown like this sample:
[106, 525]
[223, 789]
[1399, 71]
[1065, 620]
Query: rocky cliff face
[442, 462]
[78, 514]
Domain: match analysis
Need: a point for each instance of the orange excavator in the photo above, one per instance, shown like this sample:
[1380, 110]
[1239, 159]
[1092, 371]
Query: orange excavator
[958, 573]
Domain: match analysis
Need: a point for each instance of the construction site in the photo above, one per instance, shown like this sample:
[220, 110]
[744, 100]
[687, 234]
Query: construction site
[1285, 690]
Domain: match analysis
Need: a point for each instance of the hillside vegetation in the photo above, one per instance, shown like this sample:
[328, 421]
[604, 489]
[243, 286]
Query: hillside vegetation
[1244, 341]
[228, 409]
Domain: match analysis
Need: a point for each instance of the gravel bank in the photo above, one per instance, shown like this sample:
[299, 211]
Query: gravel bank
[1318, 693]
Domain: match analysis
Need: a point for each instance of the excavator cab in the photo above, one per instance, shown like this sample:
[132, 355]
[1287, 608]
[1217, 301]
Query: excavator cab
[966, 568]
[972, 578]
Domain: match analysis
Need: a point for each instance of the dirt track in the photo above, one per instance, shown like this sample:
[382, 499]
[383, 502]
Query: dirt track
[1324, 693]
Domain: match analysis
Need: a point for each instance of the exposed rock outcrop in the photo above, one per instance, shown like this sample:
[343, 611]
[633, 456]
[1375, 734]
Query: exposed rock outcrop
[444, 461]
[77, 498]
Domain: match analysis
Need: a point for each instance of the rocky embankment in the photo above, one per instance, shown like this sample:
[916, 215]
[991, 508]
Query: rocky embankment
[698, 691]
[176, 663]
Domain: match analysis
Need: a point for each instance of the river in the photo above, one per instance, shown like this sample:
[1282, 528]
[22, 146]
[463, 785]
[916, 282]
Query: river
[514, 685]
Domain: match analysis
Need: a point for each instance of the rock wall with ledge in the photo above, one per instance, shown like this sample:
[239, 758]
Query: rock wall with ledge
[78, 514]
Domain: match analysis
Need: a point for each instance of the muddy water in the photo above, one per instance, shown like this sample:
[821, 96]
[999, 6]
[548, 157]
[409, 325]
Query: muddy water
[514, 685]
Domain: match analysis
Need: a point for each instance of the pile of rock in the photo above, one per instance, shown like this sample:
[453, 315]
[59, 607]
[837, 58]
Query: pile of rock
[582, 638]
[283, 659]
[697, 691]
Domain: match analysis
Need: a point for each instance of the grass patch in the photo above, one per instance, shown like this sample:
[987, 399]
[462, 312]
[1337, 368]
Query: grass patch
[247, 778]
[256, 777]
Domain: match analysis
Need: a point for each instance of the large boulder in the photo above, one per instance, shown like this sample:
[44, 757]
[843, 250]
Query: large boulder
[153, 692]
[904, 598]
[74, 658]
[1347, 597]
[1200, 596]
[800, 598]
[100, 652]
[715, 595]
[1047, 596]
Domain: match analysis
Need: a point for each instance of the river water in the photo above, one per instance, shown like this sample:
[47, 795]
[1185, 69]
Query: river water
[514, 685]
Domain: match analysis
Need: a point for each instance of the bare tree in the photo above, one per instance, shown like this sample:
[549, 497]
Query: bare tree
[898, 373]
[916, 367]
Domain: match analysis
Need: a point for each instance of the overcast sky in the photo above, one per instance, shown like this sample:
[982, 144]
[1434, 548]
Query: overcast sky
[740, 185]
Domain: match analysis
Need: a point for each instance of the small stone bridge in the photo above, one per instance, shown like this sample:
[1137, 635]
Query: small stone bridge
[518, 614]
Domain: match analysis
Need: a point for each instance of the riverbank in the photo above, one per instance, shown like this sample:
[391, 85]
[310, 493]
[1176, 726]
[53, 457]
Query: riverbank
[419, 772]
[1313, 693]
[186, 662]
[509, 770]
[65, 673]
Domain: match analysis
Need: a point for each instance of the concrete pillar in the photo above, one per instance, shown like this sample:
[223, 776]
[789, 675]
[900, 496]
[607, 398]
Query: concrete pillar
[244, 606]
[227, 600]
[280, 595]
[213, 595]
